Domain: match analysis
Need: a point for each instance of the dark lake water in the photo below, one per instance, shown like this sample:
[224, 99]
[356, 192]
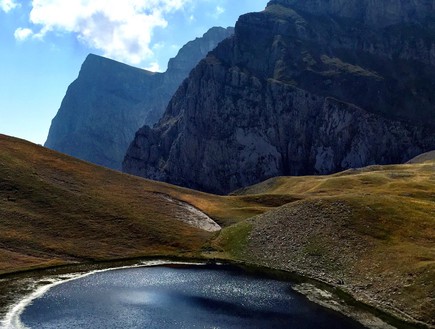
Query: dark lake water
[178, 297]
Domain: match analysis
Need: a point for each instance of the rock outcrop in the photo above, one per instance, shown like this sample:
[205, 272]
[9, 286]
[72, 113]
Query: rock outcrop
[304, 87]
[110, 101]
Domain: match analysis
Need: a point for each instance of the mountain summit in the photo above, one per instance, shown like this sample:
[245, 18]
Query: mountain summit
[304, 87]
[110, 101]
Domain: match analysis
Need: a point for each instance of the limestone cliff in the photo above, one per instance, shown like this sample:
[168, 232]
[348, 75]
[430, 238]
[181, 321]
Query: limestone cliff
[301, 88]
[110, 101]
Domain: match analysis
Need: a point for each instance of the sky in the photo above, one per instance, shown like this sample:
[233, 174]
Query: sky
[44, 42]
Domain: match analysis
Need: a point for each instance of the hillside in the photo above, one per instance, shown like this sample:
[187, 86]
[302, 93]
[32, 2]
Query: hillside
[369, 231]
[55, 209]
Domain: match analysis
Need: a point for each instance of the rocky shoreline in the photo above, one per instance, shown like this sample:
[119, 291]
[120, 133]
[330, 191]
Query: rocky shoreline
[325, 291]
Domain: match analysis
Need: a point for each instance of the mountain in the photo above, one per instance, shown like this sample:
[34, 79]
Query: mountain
[304, 87]
[110, 101]
[373, 13]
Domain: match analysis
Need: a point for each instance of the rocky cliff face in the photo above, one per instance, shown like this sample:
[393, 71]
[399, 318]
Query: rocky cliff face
[110, 101]
[371, 12]
[302, 88]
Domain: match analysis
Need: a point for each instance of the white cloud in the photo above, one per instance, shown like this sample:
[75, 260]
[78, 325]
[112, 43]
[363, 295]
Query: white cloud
[8, 5]
[22, 34]
[153, 67]
[120, 29]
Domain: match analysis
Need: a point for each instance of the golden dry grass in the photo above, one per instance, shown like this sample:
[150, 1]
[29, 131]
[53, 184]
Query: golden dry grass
[55, 209]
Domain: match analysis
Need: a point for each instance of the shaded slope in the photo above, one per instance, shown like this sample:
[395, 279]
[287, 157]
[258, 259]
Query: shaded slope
[101, 110]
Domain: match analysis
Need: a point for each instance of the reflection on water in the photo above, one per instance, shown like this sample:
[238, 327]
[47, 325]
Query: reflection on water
[183, 297]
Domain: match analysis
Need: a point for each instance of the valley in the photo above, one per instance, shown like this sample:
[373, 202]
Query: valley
[368, 232]
[297, 147]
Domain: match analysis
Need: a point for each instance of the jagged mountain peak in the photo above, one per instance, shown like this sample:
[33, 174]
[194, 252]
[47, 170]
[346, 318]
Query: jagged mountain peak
[204, 44]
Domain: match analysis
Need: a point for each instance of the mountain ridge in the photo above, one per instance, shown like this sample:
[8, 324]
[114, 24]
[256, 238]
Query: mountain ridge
[293, 93]
[110, 101]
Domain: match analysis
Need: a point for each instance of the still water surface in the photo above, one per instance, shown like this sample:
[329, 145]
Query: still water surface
[178, 297]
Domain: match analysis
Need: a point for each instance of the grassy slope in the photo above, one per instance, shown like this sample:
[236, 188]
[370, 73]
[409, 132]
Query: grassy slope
[373, 229]
[55, 209]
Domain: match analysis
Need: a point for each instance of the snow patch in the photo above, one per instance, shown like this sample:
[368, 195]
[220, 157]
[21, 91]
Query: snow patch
[194, 216]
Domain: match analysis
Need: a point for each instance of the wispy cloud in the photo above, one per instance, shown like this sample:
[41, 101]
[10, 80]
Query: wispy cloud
[120, 29]
[219, 11]
[8, 5]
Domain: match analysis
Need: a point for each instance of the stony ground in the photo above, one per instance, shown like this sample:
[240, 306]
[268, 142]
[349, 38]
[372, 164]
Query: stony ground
[318, 239]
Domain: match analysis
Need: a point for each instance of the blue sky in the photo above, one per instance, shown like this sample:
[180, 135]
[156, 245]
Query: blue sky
[44, 42]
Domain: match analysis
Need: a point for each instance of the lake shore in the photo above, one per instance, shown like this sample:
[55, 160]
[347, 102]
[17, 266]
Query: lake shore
[15, 287]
